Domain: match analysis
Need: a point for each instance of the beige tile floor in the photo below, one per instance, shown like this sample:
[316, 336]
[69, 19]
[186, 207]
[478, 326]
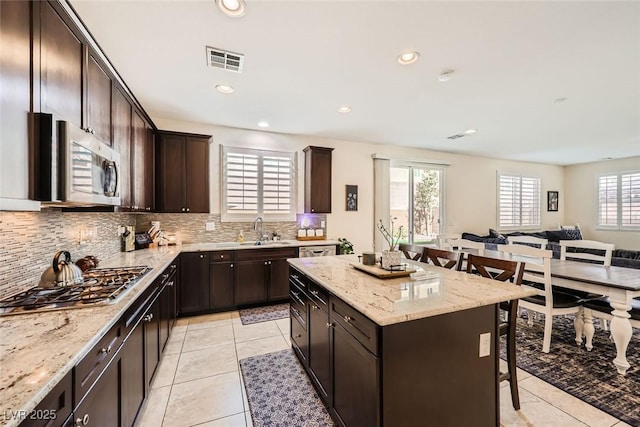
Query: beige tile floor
[199, 381]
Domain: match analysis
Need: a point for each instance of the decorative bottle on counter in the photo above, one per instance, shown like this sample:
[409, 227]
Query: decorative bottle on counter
[240, 237]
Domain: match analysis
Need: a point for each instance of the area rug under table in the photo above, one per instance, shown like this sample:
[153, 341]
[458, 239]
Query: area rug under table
[263, 314]
[280, 394]
[588, 375]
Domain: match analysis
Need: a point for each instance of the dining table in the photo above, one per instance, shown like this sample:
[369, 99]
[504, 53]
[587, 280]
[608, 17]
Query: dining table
[620, 284]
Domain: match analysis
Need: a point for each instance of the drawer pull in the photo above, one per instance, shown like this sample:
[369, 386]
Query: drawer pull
[170, 283]
[148, 318]
[329, 325]
[294, 276]
[314, 293]
[314, 307]
[106, 350]
[82, 421]
[299, 336]
[295, 311]
[295, 294]
[165, 276]
[347, 318]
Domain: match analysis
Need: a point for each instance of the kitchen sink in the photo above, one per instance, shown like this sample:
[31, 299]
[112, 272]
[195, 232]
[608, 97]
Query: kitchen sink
[253, 243]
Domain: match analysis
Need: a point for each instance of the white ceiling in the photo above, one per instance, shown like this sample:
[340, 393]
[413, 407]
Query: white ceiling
[306, 58]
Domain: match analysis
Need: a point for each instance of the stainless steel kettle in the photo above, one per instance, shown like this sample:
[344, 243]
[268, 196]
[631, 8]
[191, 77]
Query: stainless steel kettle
[62, 273]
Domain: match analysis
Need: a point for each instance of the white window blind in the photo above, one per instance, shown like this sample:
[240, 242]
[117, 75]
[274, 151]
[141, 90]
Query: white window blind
[518, 202]
[257, 183]
[619, 201]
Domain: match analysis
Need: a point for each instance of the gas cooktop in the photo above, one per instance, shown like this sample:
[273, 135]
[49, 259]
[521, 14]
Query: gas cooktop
[100, 286]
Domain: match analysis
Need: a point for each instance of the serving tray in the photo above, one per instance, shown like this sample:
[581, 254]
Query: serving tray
[380, 273]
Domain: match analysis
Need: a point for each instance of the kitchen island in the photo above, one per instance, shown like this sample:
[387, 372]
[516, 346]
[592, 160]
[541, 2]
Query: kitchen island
[399, 351]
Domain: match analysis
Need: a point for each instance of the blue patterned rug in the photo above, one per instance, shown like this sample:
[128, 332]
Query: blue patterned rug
[588, 375]
[280, 394]
[263, 314]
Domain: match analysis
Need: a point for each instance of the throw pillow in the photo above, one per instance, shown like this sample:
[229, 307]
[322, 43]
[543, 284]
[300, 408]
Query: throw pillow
[557, 235]
[574, 233]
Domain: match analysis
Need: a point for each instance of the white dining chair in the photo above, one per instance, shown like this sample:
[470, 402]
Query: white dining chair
[603, 254]
[539, 242]
[538, 276]
[462, 244]
[444, 238]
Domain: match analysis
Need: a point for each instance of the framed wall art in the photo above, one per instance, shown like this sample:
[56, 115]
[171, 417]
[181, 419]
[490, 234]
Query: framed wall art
[552, 201]
[352, 198]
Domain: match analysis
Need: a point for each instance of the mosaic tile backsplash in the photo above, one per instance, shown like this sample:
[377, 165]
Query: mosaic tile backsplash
[29, 240]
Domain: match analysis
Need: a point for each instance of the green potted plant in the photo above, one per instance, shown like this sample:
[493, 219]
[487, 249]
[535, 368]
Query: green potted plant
[346, 247]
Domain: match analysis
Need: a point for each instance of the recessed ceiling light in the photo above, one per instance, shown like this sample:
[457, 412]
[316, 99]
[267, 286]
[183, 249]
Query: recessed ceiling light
[559, 100]
[607, 158]
[407, 58]
[233, 8]
[344, 109]
[263, 124]
[224, 89]
[445, 76]
[470, 131]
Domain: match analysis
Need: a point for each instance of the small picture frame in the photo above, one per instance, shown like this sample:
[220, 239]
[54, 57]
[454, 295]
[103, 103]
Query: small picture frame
[351, 198]
[552, 201]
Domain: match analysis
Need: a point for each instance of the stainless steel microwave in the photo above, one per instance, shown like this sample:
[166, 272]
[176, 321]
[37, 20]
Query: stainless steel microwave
[72, 167]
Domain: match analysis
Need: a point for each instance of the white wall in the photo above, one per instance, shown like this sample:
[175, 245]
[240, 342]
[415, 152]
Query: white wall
[470, 181]
[581, 200]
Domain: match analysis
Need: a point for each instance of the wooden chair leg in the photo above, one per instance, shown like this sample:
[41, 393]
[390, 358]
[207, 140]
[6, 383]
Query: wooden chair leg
[546, 339]
[511, 365]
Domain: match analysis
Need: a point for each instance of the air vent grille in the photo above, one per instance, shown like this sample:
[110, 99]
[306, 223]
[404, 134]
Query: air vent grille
[459, 135]
[229, 61]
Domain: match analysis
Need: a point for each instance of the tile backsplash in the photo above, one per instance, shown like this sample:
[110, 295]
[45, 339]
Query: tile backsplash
[29, 240]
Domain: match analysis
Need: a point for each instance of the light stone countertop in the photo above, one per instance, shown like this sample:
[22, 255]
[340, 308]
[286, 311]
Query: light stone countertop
[37, 350]
[390, 301]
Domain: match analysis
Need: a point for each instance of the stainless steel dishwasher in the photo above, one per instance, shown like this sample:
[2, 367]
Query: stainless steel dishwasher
[307, 251]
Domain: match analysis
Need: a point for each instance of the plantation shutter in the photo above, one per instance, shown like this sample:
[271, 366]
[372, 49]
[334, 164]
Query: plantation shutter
[630, 200]
[608, 201]
[518, 202]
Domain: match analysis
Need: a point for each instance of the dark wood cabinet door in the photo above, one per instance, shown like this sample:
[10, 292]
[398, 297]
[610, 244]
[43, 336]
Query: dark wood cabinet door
[15, 85]
[61, 66]
[221, 284]
[122, 130]
[142, 165]
[54, 408]
[132, 387]
[196, 175]
[152, 322]
[170, 163]
[353, 364]
[98, 100]
[317, 180]
[100, 406]
[250, 282]
[319, 348]
[279, 280]
[165, 313]
[193, 294]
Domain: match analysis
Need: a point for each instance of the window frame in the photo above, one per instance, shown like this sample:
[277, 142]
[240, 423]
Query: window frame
[520, 226]
[619, 226]
[231, 216]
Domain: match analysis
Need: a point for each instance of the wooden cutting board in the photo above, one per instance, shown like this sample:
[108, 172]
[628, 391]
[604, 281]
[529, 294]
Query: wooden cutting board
[380, 273]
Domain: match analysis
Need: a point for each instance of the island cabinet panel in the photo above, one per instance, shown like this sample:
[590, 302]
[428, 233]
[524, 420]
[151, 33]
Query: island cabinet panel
[133, 380]
[435, 362]
[55, 408]
[193, 295]
[319, 341]
[101, 406]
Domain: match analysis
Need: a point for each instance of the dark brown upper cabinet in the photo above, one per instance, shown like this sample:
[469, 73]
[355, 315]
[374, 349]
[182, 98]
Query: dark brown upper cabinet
[142, 164]
[317, 179]
[182, 172]
[97, 100]
[122, 134]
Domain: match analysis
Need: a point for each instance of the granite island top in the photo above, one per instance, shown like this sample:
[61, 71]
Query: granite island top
[37, 350]
[390, 301]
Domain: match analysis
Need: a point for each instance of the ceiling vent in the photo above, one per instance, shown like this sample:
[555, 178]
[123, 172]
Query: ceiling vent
[460, 135]
[229, 61]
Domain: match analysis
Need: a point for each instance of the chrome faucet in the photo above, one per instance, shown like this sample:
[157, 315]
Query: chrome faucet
[255, 228]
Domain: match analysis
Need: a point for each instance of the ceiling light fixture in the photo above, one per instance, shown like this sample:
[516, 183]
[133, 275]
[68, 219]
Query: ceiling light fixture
[233, 8]
[470, 131]
[559, 100]
[344, 109]
[408, 57]
[225, 89]
[263, 124]
[445, 76]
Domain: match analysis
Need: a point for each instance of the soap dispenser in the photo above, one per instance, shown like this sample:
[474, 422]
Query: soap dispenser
[240, 237]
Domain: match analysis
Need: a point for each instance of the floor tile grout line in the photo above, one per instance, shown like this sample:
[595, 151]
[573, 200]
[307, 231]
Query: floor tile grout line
[216, 419]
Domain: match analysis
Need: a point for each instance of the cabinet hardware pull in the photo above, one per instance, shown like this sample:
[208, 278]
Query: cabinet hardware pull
[165, 276]
[82, 421]
[187, 209]
[314, 293]
[201, 256]
[295, 294]
[315, 307]
[106, 350]
[299, 336]
[148, 318]
[148, 208]
[182, 209]
[221, 256]
[347, 318]
[170, 283]
[329, 325]
[231, 265]
[269, 262]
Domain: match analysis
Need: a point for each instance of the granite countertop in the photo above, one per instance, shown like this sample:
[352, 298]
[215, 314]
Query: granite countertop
[390, 301]
[37, 350]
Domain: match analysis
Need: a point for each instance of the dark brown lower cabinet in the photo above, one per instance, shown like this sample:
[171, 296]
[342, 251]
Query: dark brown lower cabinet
[221, 275]
[410, 373]
[55, 408]
[133, 378]
[250, 282]
[193, 294]
[279, 276]
[100, 407]
[152, 351]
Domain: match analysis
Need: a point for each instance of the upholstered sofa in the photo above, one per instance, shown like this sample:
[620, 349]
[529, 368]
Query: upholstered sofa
[621, 257]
